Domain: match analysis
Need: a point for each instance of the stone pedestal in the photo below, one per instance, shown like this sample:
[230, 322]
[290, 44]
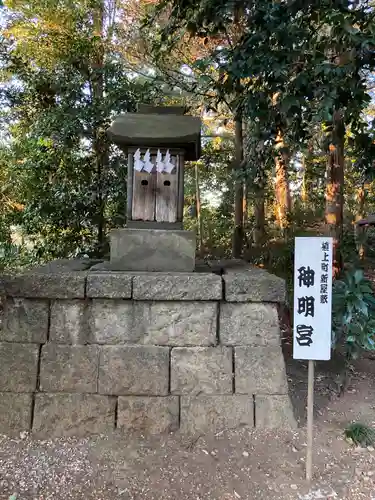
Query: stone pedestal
[86, 352]
[152, 250]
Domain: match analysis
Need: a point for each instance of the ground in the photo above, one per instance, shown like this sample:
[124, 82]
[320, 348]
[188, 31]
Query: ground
[242, 464]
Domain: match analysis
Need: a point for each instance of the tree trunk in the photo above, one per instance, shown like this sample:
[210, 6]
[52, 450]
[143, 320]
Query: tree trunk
[360, 231]
[304, 189]
[361, 198]
[100, 144]
[238, 191]
[334, 212]
[198, 207]
[259, 216]
[244, 204]
[282, 189]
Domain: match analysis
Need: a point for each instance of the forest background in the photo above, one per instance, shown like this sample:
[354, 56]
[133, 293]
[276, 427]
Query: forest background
[285, 89]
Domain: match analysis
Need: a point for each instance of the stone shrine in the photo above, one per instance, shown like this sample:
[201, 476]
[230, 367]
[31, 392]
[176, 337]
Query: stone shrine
[150, 341]
[157, 141]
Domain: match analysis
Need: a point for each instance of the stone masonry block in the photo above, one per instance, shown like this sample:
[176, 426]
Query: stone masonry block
[176, 323]
[19, 366]
[183, 286]
[274, 412]
[111, 322]
[153, 323]
[68, 322]
[73, 414]
[152, 250]
[134, 370]
[152, 415]
[25, 320]
[254, 285]
[109, 285]
[46, 286]
[249, 324]
[15, 412]
[260, 370]
[201, 370]
[67, 368]
[204, 414]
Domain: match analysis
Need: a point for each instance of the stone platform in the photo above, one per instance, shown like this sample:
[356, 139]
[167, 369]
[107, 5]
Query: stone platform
[86, 351]
[153, 250]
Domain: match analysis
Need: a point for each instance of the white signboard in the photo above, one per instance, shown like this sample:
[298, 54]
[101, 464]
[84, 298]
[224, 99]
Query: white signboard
[312, 298]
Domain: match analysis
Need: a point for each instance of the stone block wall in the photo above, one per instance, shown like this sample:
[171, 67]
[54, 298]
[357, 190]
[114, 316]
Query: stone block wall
[88, 352]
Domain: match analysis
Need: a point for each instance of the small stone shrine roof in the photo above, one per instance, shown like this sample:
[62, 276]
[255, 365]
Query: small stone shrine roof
[164, 127]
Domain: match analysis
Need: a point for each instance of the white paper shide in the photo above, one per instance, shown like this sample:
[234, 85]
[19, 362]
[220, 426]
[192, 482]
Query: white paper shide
[162, 166]
[159, 162]
[138, 163]
[312, 298]
[148, 165]
[168, 165]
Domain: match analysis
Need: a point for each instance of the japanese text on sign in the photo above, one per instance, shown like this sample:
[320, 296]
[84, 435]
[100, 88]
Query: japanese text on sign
[312, 298]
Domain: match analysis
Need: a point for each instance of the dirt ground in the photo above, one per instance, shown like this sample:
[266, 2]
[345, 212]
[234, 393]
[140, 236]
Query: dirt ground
[242, 464]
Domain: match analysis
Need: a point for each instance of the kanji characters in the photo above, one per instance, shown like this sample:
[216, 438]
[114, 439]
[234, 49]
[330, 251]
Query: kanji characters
[304, 333]
[306, 306]
[306, 276]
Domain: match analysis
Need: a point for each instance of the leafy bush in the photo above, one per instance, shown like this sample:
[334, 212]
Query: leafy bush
[360, 434]
[353, 314]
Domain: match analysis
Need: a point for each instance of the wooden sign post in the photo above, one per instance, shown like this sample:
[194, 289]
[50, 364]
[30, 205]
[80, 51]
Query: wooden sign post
[312, 315]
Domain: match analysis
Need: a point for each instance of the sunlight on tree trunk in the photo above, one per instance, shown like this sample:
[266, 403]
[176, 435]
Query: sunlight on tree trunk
[245, 204]
[282, 188]
[199, 211]
[360, 231]
[334, 211]
[361, 201]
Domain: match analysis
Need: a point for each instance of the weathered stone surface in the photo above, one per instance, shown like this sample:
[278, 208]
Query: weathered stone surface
[66, 265]
[134, 370]
[249, 324]
[25, 320]
[176, 323]
[201, 370]
[15, 412]
[158, 129]
[111, 322]
[260, 370]
[253, 285]
[69, 368]
[19, 366]
[202, 267]
[152, 250]
[215, 413]
[46, 285]
[73, 414]
[160, 286]
[101, 266]
[68, 322]
[153, 323]
[109, 285]
[222, 266]
[274, 412]
[152, 415]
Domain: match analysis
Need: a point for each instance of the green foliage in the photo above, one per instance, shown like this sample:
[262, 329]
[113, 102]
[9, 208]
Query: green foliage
[353, 314]
[61, 83]
[360, 434]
